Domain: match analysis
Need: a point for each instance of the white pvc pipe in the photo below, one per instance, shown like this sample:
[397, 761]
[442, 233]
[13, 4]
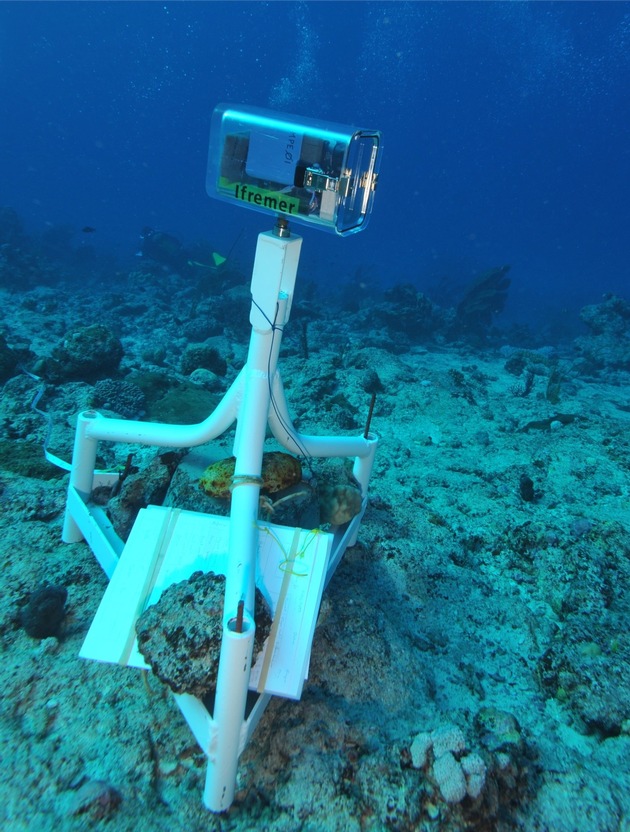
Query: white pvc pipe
[275, 267]
[304, 445]
[81, 472]
[92, 427]
[171, 436]
[248, 451]
[362, 469]
[230, 701]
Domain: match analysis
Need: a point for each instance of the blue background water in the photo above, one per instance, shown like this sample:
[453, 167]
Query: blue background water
[506, 125]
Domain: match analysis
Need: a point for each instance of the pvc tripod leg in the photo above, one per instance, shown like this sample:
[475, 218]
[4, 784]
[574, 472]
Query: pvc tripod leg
[82, 471]
[231, 698]
[273, 279]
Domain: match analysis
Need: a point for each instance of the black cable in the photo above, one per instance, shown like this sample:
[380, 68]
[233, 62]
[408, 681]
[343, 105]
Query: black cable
[303, 452]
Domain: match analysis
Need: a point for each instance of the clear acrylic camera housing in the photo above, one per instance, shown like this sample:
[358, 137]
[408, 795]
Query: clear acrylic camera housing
[313, 172]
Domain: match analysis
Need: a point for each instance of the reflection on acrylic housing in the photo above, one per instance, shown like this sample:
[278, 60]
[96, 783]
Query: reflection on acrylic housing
[317, 173]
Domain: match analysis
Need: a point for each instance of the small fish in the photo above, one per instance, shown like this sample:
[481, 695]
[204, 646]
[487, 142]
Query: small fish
[87, 229]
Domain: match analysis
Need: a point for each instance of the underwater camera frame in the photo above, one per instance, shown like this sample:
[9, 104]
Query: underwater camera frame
[167, 545]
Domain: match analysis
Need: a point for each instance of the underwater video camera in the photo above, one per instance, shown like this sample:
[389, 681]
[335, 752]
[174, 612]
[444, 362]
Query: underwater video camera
[317, 173]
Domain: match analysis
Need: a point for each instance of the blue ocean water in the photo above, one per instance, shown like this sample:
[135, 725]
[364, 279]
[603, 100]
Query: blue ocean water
[506, 130]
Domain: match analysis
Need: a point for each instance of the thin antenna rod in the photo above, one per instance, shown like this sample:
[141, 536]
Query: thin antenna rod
[366, 432]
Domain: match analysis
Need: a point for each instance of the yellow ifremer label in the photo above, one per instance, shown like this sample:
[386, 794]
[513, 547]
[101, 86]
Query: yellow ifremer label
[271, 200]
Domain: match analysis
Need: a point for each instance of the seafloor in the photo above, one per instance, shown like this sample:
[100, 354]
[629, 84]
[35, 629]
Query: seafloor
[470, 667]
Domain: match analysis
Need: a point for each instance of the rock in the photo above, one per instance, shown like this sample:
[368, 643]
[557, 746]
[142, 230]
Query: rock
[575, 800]
[202, 356]
[610, 316]
[140, 489]
[207, 379]
[180, 636]
[8, 360]
[407, 315]
[499, 730]
[484, 298]
[43, 614]
[96, 797]
[338, 503]
[85, 353]
[608, 344]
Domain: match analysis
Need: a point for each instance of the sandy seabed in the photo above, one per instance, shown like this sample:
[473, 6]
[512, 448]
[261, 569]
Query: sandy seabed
[479, 619]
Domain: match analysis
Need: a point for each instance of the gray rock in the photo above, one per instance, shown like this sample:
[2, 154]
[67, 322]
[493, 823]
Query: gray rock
[180, 636]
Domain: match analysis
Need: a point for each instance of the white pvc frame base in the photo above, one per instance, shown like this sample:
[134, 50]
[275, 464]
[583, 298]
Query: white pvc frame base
[255, 400]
